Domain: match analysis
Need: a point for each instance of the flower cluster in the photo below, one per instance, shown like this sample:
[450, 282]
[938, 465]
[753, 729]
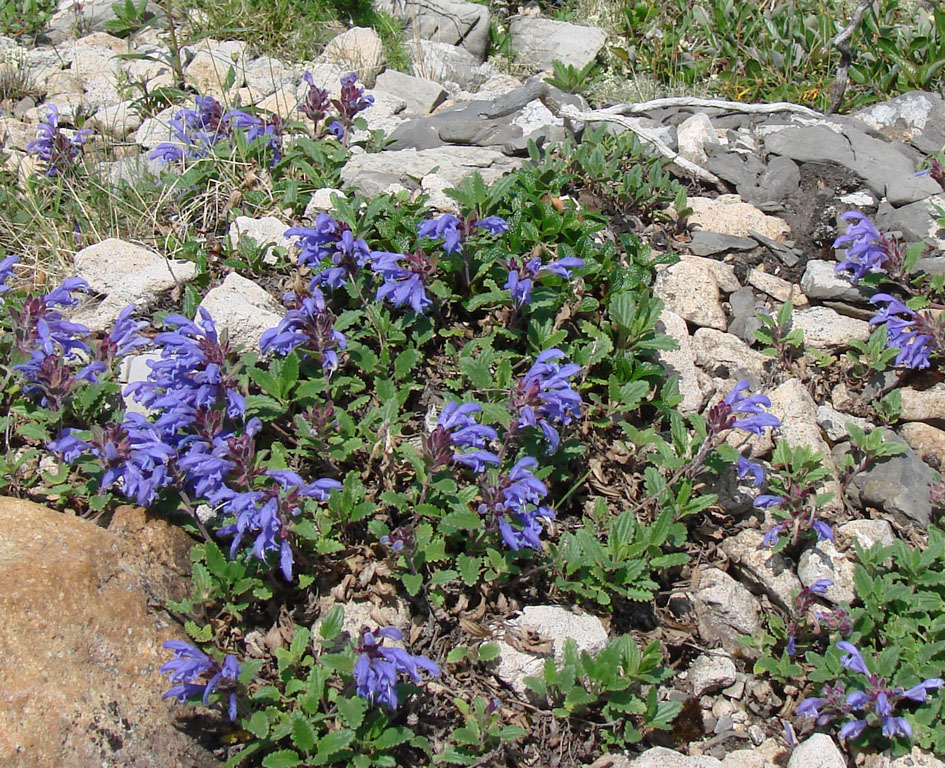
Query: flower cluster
[456, 429]
[330, 240]
[188, 669]
[917, 335]
[308, 324]
[801, 513]
[377, 668]
[802, 605]
[867, 250]
[316, 106]
[524, 272]
[453, 231]
[57, 151]
[6, 272]
[514, 505]
[405, 277]
[544, 396]
[876, 705]
[269, 512]
[197, 131]
[725, 414]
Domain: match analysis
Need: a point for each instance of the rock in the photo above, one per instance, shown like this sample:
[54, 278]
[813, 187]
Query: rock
[660, 757]
[728, 215]
[419, 94]
[917, 221]
[124, 273]
[692, 134]
[434, 187]
[745, 307]
[727, 357]
[869, 532]
[87, 16]
[263, 231]
[825, 328]
[821, 281]
[927, 441]
[242, 309]
[690, 289]
[136, 368]
[157, 129]
[443, 63]
[267, 75]
[924, 405]
[556, 623]
[833, 422]
[824, 561]
[776, 287]
[725, 610]
[723, 272]
[915, 759]
[886, 172]
[539, 42]
[320, 202]
[116, 119]
[453, 22]
[680, 362]
[819, 751]
[96, 68]
[709, 243]
[79, 674]
[372, 174]
[208, 72]
[898, 485]
[359, 50]
[916, 117]
[779, 181]
[711, 672]
[767, 572]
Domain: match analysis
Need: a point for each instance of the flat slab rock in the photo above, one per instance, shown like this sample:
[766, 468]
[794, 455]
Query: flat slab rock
[80, 650]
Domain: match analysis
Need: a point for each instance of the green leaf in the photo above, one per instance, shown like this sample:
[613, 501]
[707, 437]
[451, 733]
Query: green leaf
[488, 652]
[332, 623]
[469, 568]
[412, 583]
[257, 724]
[333, 742]
[303, 734]
[284, 758]
[352, 710]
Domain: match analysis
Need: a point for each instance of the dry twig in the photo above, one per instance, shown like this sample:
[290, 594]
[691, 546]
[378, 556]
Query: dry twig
[841, 42]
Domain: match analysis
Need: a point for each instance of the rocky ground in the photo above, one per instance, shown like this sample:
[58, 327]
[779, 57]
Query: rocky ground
[80, 640]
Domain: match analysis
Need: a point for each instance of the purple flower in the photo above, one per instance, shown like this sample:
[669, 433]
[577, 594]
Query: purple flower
[523, 273]
[333, 240]
[746, 467]
[307, 325]
[723, 415]
[6, 272]
[315, 106]
[455, 428]
[865, 247]
[124, 337]
[446, 228]
[545, 396]
[772, 535]
[403, 283]
[852, 729]
[190, 665]
[514, 506]
[917, 335]
[852, 658]
[54, 148]
[824, 532]
[377, 667]
[820, 586]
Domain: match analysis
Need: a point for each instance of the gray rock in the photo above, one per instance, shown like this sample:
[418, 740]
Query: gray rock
[727, 356]
[680, 362]
[776, 287]
[692, 136]
[443, 63]
[690, 289]
[869, 532]
[88, 17]
[725, 610]
[243, 310]
[744, 306]
[463, 124]
[372, 174]
[660, 757]
[740, 169]
[820, 281]
[827, 329]
[915, 759]
[916, 221]
[824, 561]
[771, 574]
[917, 117]
[819, 751]
[711, 243]
[123, 273]
[833, 422]
[887, 172]
[711, 672]
[420, 95]
[267, 230]
[360, 50]
[444, 21]
[267, 75]
[898, 485]
[539, 41]
[780, 180]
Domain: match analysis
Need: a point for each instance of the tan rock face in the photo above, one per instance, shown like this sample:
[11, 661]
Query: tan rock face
[80, 651]
[728, 215]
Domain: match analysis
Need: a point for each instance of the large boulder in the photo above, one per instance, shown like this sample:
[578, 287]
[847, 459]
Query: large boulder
[80, 648]
[444, 21]
[539, 42]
